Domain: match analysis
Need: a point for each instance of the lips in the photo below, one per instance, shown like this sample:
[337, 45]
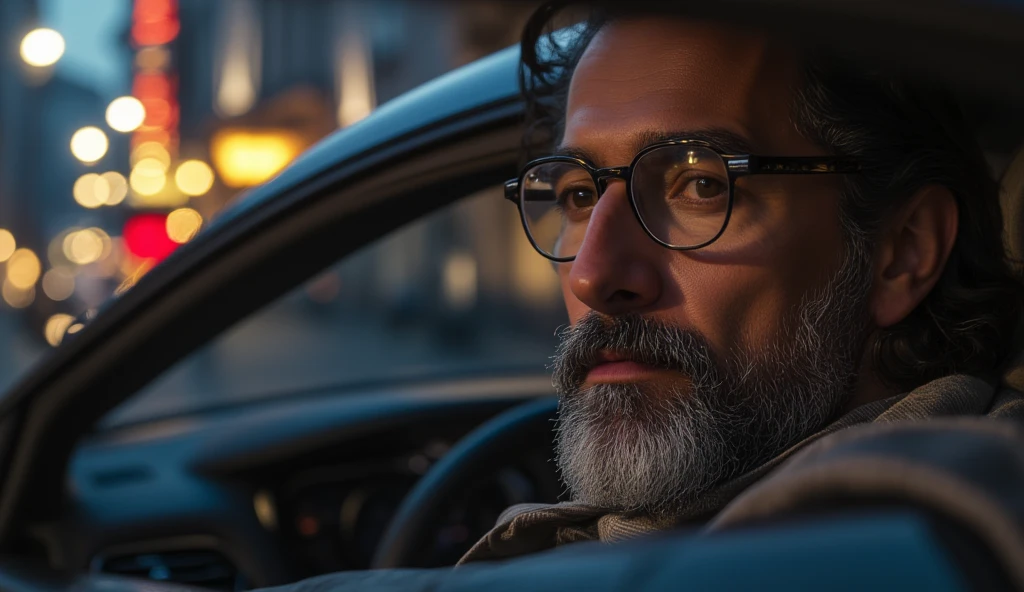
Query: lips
[616, 367]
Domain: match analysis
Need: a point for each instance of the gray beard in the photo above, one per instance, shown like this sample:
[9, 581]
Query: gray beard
[627, 448]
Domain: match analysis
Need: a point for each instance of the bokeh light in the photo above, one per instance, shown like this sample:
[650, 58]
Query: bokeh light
[145, 236]
[125, 114]
[58, 284]
[23, 269]
[56, 327]
[194, 177]
[151, 150]
[247, 158]
[89, 144]
[16, 297]
[7, 244]
[42, 47]
[118, 187]
[91, 190]
[148, 176]
[152, 58]
[86, 246]
[158, 112]
[183, 224]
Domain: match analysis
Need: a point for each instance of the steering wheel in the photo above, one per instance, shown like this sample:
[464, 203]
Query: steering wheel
[493, 443]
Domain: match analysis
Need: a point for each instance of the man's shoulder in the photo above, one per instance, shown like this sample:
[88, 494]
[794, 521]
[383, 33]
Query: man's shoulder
[969, 470]
[909, 457]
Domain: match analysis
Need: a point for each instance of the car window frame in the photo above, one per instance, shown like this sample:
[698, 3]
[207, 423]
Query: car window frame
[195, 295]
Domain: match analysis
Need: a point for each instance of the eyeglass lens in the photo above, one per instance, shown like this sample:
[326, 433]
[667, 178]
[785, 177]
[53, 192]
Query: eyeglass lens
[681, 194]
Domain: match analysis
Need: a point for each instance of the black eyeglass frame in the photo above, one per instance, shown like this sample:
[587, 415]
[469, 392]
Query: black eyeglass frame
[736, 165]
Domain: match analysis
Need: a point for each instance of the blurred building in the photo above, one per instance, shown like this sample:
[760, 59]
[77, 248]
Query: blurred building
[235, 89]
[287, 72]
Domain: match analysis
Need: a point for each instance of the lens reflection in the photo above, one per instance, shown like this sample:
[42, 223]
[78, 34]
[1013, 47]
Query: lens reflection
[682, 194]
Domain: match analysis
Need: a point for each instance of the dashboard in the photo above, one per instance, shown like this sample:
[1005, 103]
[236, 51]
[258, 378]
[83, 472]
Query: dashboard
[274, 491]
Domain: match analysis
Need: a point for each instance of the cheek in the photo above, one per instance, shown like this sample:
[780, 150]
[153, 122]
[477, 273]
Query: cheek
[748, 299]
[731, 305]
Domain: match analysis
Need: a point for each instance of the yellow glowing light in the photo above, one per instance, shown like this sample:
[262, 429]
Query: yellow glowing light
[58, 284]
[246, 158]
[183, 224]
[23, 269]
[194, 177]
[7, 245]
[151, 166]
[56, 327]
[17, 297]
[118, 187]
[148, 177]
[85, 246]
[89, 144]
[125, 114]
[151, 150]
[42, 47]
[85, 190]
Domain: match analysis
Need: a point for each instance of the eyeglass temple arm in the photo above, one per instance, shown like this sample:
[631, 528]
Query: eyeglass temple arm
[790, 165]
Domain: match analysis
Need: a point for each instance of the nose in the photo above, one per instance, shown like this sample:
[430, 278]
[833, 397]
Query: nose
[616, 270]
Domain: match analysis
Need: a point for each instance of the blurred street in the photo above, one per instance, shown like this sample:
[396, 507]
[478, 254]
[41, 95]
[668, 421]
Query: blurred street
[126, 126]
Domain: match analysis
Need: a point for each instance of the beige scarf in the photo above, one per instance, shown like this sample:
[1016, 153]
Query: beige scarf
[529, 528]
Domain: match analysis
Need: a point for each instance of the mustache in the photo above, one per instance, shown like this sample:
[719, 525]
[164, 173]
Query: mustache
[643, 339]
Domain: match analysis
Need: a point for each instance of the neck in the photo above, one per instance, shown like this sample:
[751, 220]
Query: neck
[867, 389]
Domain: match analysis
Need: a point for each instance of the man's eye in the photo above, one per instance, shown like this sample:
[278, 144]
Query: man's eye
[578, 198]
[703, 188]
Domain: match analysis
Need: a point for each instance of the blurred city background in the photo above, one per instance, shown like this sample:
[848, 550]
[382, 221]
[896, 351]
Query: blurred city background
[125, 125]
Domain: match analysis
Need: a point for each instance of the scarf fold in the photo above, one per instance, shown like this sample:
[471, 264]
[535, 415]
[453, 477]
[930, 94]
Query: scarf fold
[529, 528]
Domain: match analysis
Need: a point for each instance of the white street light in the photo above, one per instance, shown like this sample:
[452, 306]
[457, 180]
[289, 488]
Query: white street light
[42, 47]
[89, 144]
[125, 114]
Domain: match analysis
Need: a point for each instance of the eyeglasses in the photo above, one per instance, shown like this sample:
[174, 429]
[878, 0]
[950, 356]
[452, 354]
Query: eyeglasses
[681, 191]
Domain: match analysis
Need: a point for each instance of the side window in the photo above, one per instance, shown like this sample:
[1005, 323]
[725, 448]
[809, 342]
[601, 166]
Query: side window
[457, 292]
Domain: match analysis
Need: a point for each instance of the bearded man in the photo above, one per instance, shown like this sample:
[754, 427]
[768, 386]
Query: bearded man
[787, 290]
[758, 246]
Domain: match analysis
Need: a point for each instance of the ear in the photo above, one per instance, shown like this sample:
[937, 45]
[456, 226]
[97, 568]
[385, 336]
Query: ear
[912, 253]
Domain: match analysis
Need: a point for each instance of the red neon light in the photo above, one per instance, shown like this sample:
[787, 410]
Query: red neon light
[155, 33]
[145, 236]
[155, 22]
[159, 113]
[157, 84]
[154, 9]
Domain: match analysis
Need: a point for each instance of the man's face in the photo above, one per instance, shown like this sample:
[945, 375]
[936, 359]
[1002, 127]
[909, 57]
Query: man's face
[718, 356]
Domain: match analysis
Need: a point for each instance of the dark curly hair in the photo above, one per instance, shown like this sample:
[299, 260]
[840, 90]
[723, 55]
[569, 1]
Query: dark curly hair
[907, 133]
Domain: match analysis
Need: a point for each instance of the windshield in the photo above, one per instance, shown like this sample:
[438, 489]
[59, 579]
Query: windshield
[126, 125]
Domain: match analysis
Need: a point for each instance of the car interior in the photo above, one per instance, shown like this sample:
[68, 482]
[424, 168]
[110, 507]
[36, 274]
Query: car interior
[99, 480]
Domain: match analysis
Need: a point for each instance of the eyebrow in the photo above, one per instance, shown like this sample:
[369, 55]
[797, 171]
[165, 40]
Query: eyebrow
[721, 139]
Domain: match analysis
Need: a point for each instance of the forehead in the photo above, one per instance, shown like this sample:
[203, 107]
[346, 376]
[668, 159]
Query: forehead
[645, 77]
